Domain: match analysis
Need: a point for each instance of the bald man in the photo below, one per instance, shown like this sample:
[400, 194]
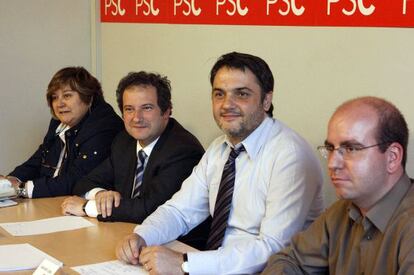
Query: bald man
[370, 229]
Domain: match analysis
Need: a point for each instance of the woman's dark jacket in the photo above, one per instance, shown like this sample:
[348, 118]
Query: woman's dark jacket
[87, 144]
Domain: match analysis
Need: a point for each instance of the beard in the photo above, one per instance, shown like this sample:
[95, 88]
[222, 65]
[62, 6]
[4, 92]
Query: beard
[242, 127]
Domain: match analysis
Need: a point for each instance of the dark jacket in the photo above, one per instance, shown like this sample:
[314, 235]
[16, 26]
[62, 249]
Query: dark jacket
[171, 161]
[87, 144]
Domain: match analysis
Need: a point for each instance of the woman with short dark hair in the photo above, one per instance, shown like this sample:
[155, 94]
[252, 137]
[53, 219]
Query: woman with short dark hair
[79, 136]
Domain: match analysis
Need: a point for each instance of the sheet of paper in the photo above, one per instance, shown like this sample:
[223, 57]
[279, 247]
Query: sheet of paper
[7, 202]
[118, 267]
[46, 226]
[21, 257]
[109, 268]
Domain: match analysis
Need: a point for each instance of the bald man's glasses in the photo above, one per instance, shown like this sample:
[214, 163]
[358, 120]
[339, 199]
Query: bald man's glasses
[346, 151]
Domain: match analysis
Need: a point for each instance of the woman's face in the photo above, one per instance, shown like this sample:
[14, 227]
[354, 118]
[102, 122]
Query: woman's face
[68, 106]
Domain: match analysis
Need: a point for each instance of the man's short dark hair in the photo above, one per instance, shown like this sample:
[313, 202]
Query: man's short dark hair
[255, 64]
[160, 83]
[391, 127]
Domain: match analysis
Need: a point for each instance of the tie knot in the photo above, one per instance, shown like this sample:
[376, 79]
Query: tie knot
[235, 152]
[142, 156]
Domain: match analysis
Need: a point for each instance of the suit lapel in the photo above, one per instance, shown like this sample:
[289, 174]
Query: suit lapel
[156, 154]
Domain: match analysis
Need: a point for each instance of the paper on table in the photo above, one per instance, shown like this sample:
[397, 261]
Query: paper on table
[7, 202]
[118, 267]
[21, 257]
[45, 226]
[110, 268]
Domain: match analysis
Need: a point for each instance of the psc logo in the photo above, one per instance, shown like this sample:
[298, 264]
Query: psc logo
[235, 7]
[187, 6]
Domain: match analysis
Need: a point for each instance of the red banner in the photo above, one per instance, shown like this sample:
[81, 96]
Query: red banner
[368, 13]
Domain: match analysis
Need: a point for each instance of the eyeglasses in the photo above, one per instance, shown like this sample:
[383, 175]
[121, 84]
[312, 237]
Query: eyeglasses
[346, 151]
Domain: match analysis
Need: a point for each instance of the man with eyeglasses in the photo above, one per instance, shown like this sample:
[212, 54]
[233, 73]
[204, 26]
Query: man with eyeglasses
[370, 230]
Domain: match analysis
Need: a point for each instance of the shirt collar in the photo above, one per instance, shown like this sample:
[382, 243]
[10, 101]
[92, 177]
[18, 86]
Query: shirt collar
[147, 149]
[380, 214]
[61, 130]
[355, 214]
[253, 142]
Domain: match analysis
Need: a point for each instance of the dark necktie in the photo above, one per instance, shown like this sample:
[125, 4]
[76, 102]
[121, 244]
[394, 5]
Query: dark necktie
[139, 173]
[223, 202]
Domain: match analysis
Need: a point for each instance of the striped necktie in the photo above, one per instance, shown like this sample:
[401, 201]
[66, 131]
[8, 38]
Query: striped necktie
[139, 173]
[223, 202]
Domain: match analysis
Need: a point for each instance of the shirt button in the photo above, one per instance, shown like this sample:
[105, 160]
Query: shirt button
[84, 156]
[95, 153]
[77, 144]
[369, 237]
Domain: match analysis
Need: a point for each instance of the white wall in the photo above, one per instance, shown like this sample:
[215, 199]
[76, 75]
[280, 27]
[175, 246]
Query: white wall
[315, 69]
[37, 38]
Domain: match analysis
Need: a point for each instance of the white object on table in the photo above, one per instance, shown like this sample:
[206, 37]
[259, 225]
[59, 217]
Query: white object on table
[16, 257]
[46, 226]
[7, 202]
[117, 267]
[6, 189]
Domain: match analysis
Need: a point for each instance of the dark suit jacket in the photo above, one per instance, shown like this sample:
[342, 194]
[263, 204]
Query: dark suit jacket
[171, 161]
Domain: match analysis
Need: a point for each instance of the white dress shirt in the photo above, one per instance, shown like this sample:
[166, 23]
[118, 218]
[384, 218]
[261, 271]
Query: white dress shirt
[277, 192]
[90, 208]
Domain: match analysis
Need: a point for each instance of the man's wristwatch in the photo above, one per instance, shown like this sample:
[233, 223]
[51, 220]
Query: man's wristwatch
[84, 207]
[21, 190]
[184, 265]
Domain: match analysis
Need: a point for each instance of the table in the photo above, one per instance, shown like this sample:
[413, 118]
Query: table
[75, 247]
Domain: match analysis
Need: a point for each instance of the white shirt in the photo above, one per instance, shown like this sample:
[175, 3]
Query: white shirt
[277, 192]
[90, 208]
